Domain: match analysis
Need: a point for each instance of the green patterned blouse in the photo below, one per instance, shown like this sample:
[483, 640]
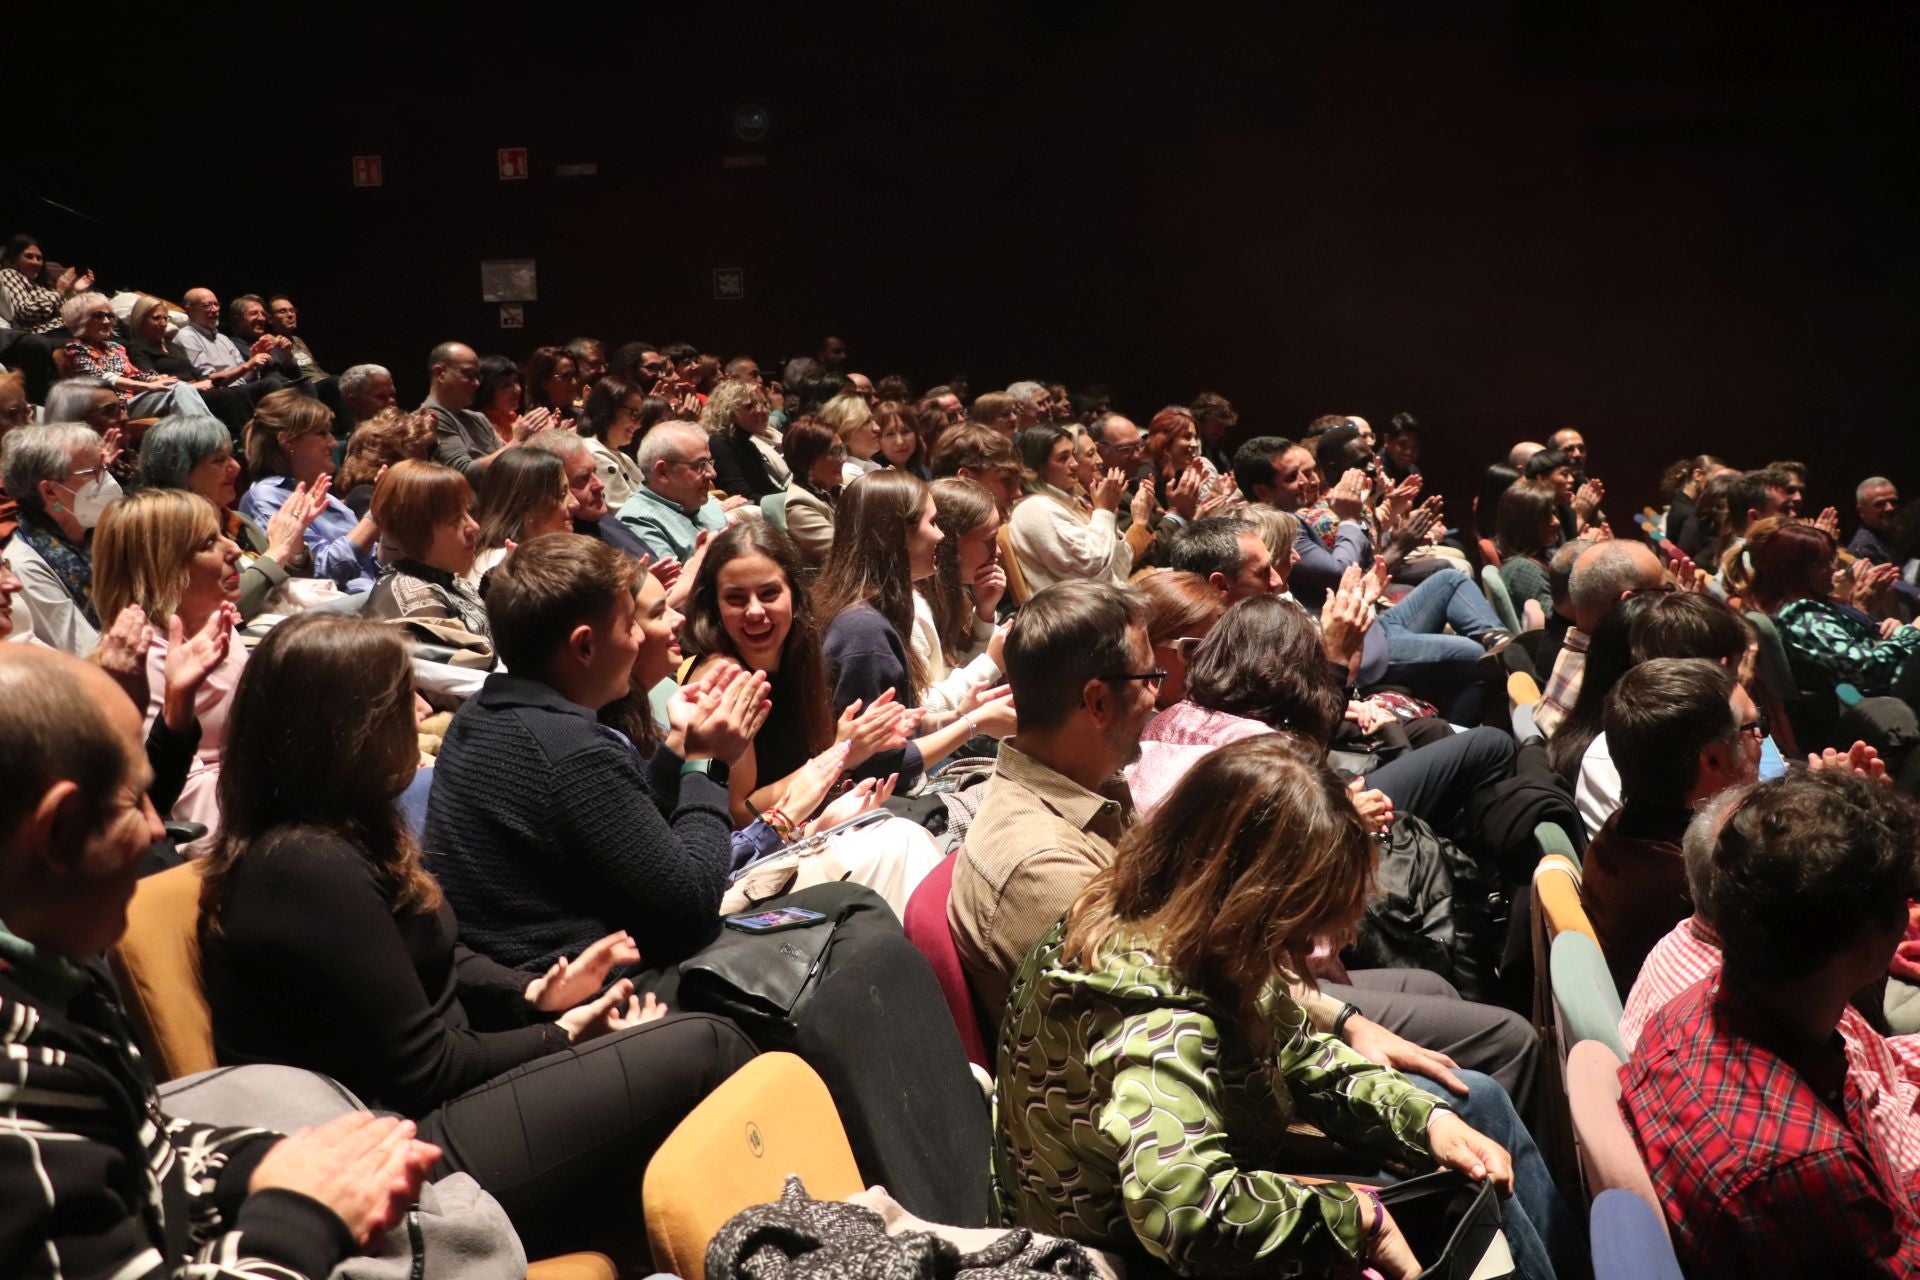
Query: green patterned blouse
[1827, 646]
[1126, 1110]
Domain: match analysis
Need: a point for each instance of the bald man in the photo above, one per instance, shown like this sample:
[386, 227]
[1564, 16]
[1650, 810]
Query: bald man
[215, 356]
[1605, 574]
[1518, 455]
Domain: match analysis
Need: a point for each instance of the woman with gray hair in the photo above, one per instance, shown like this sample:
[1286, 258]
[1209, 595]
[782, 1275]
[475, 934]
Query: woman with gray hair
[196, 454]
[59, 477]
[95, 352]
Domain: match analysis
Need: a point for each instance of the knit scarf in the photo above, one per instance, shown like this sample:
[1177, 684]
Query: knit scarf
[69, 563]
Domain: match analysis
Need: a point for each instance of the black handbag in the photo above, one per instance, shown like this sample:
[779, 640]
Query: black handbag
[1452, 1224]
[763, 981]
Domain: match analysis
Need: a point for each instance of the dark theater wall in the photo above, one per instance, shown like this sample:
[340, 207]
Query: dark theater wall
[1676, 230]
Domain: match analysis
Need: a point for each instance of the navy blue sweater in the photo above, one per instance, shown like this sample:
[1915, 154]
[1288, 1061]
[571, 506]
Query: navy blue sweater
[544, 831]
[866, 657]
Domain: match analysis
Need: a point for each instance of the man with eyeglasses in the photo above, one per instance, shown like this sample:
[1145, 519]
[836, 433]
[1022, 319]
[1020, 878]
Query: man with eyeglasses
[215, 356]
[1605, 574]
[1679, 731]
[675, 502]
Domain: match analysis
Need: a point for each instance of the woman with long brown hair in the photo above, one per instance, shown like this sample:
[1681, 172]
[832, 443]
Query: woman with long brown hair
[523, 494]
[885, 542]
[749, 603]
[1151, 1047]
[956, 628]
[327, 944]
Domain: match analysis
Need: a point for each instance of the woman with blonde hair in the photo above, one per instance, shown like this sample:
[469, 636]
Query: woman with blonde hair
[164, 551]
[429, 538]
[289, 444]
[389, 436]
[746, 449]
[1152, 1048]
[96, 353]
[852, 420]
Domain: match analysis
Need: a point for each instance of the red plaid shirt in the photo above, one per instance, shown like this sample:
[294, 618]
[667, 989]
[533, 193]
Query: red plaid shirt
[1762, 1156]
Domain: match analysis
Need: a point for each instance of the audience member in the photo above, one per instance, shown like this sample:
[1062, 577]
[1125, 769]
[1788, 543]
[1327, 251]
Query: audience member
[1031, 404]
[543, 825]
[900, 442]
[196, 454]
[956, 630]
[551, 380]
[1762, 1148]
[746, 449]
[1682, 730]
[523, 495]
[98, 1179]
[1829, 641]
[283, 320]
[1604, 575]
[428, 539]
[289, 445]
[813, 454]
[1527, 529]
[1400, 448]
[1876, 499]
[58, 476]
[151, 350]
[852, 420]
[217, 357]
[498, 397]
[368, 392]
[592, 517]
[389, 436]
[983, 456]
[319, 913]
[1216, 420]
[163, 552]
[1055, 537]
[884, 545]
[672, 507]
[464, 438]
[1181, 610]
[31, 305]
[589, 360]
[995, 410]
[1198, 928]
[609, 423]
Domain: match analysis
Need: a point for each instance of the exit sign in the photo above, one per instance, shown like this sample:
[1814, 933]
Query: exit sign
[366, 171]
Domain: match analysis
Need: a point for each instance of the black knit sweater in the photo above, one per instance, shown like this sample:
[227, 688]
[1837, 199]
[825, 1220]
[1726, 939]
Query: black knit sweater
[544, 831]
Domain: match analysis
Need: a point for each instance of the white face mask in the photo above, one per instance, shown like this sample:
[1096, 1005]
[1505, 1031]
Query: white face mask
[93, 498]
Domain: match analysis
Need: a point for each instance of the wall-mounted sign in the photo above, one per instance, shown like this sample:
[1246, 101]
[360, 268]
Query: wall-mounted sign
[513, 164]
[366, 171]
[729, 284]
[512, 316]
[509, 280]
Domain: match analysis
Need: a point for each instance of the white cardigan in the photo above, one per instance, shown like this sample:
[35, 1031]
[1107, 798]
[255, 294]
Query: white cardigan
[52, 616]
[618, 472]
[946, 685]
[1058, 542]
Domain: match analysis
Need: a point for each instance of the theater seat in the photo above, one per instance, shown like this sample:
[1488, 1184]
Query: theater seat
[927, 928]
[157, 964]
[1630, 1241]
[1586, 1004]
[1608, 1157]
[772, 1118]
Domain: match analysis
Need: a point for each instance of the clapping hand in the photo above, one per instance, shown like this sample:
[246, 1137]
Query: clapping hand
[1400, 498]
[1828, 522]
[616, 1009]
[1223, 496]
[1588, 497]
[991, 710]
[1348, 498]
[1143, 503]
[191, 661]
[530, 424]
[567, 983]
[882, 725]
[869, 795]
[810, 783]
[287, 530]
[1107, 488]
[719, 722]
[123, 653]
[112, 445]
[1183, 495]
[1345, 617]
[367, 1169]
[1859, 758]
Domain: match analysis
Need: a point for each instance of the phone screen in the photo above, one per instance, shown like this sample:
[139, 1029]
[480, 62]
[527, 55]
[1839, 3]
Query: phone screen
[782, 917]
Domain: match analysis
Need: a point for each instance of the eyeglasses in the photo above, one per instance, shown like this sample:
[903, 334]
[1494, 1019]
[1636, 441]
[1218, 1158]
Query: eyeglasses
[1757, 727]
[701, 465]
[1152, 679]
[100, 315]
[1118, 448]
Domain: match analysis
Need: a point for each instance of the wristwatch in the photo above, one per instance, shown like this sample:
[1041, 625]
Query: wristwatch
[716, 770]
[1340, 1020]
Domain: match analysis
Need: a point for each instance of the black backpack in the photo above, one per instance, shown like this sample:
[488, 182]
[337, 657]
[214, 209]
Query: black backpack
[1433, 908]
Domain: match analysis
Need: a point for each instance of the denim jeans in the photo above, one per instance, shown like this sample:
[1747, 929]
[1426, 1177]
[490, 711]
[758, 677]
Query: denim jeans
[1440, 668]
[1546, 1238]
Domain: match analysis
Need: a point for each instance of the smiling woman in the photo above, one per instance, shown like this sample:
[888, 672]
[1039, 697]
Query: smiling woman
[163, 550]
